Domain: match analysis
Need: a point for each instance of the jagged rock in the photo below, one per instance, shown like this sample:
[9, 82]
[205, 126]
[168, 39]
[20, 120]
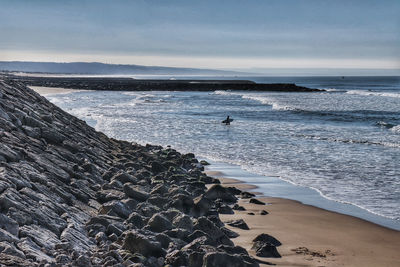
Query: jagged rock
[41, 236]
[10, 249]
[237, 207]
[267, 239]
[83, 261]
[157, 167]
[225, 209]
[176, 258]
[246, 195]
[52, 136]
[219, 192]
[8, 237]
[136, 219]
[201, 206]
[136, 242]
[224, 259]
[9, 224]
[33, 251]
[78, 240]
[11, 260]
[229, 233]
[183, 221]
[135, 193]
[266, 250]
[159, 223]
[207, 226]
[256, 201]
[124, 177]
[263, 212]
[239, 224]
[233, 250]
[115, 208]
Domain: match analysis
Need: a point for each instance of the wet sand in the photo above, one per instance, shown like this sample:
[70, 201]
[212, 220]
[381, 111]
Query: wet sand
[312, 236]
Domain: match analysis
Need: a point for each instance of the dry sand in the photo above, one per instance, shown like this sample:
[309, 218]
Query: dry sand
[312, 236]
[52, 90]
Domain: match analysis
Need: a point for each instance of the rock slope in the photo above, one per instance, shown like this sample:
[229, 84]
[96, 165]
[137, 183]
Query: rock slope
[71, 196]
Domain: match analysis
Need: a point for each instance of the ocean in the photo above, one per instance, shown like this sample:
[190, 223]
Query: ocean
[343, 143]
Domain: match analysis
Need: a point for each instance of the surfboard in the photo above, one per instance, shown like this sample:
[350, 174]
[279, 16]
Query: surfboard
[224, 121]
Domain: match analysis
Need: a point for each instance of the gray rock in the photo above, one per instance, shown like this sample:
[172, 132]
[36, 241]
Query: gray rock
[263, 212]
[219, 192]
[256, 201]
[136, 242]
[176, 258]
[124, 177]
[266, 250]
[225, 209]
[135, 193]
[10, 249]
[115, 208]
[9, 224]
[159, 223]
[41, 236]
[52, 136]
[239, 224]
[136, 219]
[267, 239]
[83, 261]
[8, 237]
[33, 251]
[216, 234]
[183, 221]
[223, 259]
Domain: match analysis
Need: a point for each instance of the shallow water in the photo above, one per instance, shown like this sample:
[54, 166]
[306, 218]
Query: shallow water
[344, 143]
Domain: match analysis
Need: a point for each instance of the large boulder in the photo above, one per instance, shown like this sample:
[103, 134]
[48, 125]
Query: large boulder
[135, 193]
[219, 192]
[158, 223]
[138, 243]
[213, 259]
[267, 239]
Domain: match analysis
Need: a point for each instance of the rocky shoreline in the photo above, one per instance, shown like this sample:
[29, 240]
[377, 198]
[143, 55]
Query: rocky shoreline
[71, 196]
[129, 84]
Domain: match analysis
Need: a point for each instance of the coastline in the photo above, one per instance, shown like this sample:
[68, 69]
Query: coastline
[330, 238]
[312, 236]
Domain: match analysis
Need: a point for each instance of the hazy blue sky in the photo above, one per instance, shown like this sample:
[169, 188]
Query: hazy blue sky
[219, 34]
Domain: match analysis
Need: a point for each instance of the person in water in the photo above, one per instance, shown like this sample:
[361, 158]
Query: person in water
[227, 121]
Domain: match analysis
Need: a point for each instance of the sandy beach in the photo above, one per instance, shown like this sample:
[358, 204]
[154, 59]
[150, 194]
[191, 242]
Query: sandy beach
[52, 90]
[312, 236]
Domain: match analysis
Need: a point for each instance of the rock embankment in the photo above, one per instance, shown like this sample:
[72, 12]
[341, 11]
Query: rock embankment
[128, 84]
[71, 196]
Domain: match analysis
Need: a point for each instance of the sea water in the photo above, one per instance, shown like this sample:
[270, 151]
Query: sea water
[343, 143]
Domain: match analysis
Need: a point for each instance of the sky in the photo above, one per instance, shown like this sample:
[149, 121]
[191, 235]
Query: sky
[234, 34]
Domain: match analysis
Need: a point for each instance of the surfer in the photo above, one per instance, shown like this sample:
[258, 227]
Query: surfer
[227, 121]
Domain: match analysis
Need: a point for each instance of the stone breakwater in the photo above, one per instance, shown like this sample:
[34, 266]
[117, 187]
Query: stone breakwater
[128, 84]
[71, 196]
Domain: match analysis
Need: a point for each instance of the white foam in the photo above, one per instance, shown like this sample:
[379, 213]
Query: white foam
[373, 93]
[395, 129]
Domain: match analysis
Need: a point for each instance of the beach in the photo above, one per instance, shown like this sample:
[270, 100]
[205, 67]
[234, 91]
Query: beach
[52, 90]
[310, 236]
